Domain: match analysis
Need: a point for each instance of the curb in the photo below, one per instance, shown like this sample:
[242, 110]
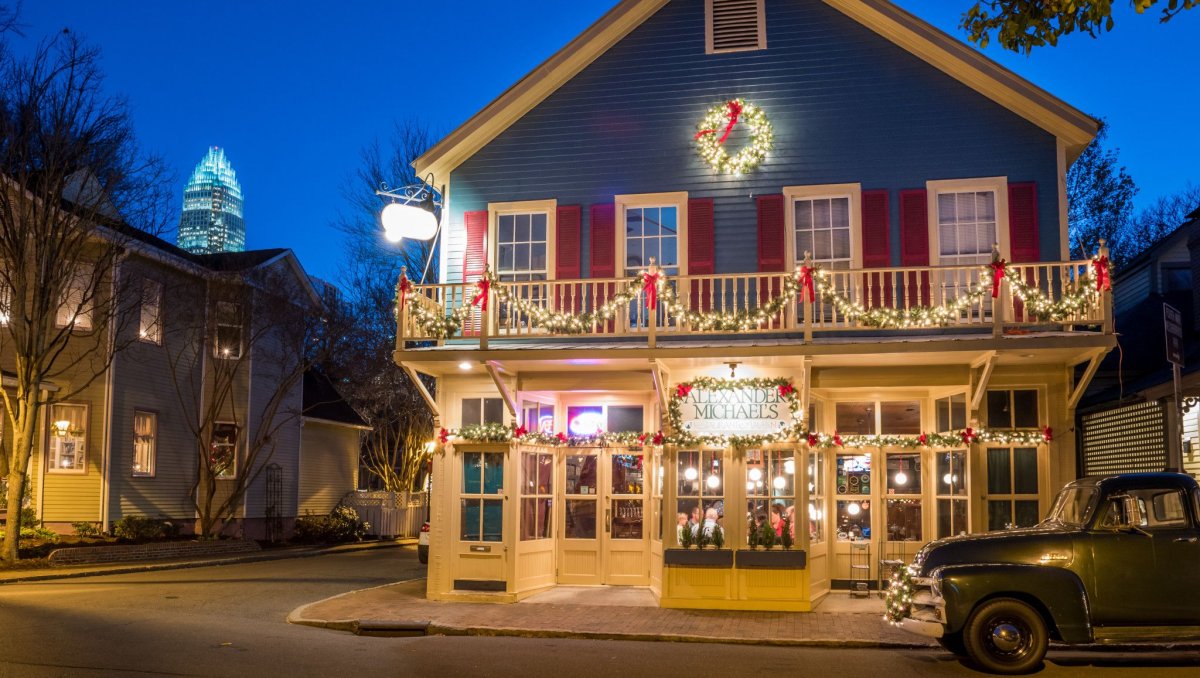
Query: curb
[214, 562]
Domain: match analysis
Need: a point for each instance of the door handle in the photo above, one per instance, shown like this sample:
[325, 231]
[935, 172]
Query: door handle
[1187, 540]
[608, 520]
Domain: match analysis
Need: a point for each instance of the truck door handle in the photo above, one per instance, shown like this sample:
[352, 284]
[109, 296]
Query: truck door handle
[1188, 540]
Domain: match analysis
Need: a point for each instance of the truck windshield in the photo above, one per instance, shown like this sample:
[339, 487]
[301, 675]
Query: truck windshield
[1072, 506]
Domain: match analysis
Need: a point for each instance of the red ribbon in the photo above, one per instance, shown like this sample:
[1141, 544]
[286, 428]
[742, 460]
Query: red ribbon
[443, 436]
[405, 286]
[735, 111]
[805, 280]
[520, 432]
[682, 390]
[998, 272]
[813, 440]
[1103, 281]
[923, 439]
[786, 390]
[483, 285]
[642, 439]
[837, 439]
[659, 438]
[1048, 434]
[562, 437]
[968, 436]
[650, 286]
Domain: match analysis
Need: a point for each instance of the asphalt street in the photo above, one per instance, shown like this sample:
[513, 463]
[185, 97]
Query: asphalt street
[230, 621]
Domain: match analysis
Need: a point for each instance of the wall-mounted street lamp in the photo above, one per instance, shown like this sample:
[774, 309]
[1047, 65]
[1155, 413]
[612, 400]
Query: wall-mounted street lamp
[414, 212]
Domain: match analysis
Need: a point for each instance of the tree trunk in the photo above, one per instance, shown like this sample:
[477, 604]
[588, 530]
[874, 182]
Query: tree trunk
[12, 525]
[18, 475]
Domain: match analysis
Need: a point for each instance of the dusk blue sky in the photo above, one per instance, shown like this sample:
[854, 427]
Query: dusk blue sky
[292, 90]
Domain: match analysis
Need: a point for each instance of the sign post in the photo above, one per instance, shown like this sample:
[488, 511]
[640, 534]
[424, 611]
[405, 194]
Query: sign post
[1173, 331]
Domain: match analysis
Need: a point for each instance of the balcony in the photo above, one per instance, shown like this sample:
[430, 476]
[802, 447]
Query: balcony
[804, 305]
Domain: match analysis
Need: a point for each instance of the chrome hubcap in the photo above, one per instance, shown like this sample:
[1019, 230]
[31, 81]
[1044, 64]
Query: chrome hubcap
[1009, 639]
[1006, 637]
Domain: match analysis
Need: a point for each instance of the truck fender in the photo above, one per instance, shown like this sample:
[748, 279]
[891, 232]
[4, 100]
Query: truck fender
[1058, 594]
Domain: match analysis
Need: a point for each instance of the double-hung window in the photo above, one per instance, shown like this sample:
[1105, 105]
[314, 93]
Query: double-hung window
[145, 443]
[223, 450]
[475, 411]
[521, 246]
[150, 316]
[823, 230]
[966, 227]
[652, 233]
[68, 439]
[229, 331]
[75, 309]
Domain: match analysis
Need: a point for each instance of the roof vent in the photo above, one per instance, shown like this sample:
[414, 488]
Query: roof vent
[734, 26]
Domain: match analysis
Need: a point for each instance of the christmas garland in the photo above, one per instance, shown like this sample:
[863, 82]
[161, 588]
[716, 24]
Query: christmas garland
[715, 128]
[808, 282]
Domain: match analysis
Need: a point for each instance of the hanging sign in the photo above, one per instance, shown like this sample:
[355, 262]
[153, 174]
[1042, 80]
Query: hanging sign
[738, 411]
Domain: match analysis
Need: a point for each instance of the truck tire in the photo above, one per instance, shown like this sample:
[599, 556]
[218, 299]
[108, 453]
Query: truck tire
[953, 643]
[1006, 636]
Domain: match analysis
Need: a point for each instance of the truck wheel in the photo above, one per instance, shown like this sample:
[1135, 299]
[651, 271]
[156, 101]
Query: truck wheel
[1006, 636]
[953, 643]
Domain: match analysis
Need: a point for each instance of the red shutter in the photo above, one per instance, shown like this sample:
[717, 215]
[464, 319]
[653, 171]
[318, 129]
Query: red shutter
[772, 253]
[474, 262]
[701, 251]
[914, 239]
[1023, 239]
[604, 256]
[876, 248]
[771, 235]
[566, 243]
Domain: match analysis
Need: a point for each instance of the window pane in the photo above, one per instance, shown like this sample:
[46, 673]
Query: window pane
[651, 222]
[472, 472]
[545, 475]
[904, 474]
[627, 519]
[714, 476]
[668, 256]
[688, 474]
[670, 221]
[854, 520]
[1025, 409]
[804, 243]
[998, 410]
[522, 230]
[493, 520]
[999, 515]
[853, 474]
[470, 520]
[856, 418]
[998, 471]
[633, 223]
[493, 473]
[952, 517]
[904, 520]
[472, 411]
[507, 231]
[625, 418]
[627, 473]
[958, 411]
[820, 214]
[839, 213]
[1027, 513]
[537, 261]
[900, 418]
[493, 411]
[529, 508]
[841, 243]
[545, 419]
[538, 227]
[581, 473]
[507, 257]
[804, 218]
[144, 434]
[580, 519]
[633, 253]
[1025, 475]
[585, 420]
[952, 473]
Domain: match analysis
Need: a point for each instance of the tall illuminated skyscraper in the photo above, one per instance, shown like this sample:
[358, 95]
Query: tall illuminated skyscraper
[212, 208]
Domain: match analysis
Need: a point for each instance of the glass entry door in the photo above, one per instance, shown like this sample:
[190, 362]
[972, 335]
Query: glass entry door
[604, 536]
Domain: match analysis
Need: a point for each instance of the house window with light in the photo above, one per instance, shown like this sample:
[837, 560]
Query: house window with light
[68, 439]
[229, 330]
[966, 227]
[150, 317]
[223, 450]
[652, 233]
[145, 443]
[75, 310]
[823, 229]
[521, 246]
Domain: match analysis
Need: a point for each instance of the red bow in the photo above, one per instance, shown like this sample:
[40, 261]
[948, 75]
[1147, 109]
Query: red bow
[520, 432]
[1103, 281]
[805, 280]
[443, 436]
[1048, 434]
[837, 439]
[786, 390]
[483, 285]
[405, 286]
[562, 437]
[682, 390]
[735, 111]
[650, 285]
[659, 438]
[969, 436]
[923, 439]
[813, 440]
[642, 439]
[998, 270]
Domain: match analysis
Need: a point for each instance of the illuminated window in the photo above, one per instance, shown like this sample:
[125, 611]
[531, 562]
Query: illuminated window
[823, 229]
[68, 439]
[521, 246]
[150, 320]
[229, 331]
[537, 495]
[966, 227]
[652, 232]
[75, 310]
[145, 442]
[222, 457]
[477, 411]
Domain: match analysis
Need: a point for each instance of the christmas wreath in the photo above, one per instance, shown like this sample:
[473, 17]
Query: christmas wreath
[716, 127]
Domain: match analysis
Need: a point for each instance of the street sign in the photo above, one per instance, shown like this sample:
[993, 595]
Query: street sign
[1173, 328]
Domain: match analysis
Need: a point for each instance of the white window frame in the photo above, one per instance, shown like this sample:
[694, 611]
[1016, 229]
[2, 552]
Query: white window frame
[998, 185]
[150, 328]
[152, 455]
[678, 200]
[506, 416]
[708, 30]
[237, 448]
[52, 451]
[817, 192]
[547, 207]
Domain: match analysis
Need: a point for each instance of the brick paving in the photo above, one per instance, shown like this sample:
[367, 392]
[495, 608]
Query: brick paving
[404, 603]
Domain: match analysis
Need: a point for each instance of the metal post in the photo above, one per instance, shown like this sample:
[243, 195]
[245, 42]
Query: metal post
[1175, 449]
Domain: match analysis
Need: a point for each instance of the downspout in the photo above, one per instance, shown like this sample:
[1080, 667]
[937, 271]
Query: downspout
[106, 459]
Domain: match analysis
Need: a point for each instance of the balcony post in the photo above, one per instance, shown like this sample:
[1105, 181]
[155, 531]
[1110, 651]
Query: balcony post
[401, 311]
[1106, 300]
[999, 304]
[485, 316]
[652, 313]
[808, 305]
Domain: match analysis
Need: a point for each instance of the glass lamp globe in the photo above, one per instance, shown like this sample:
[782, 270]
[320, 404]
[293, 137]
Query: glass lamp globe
[755, 474]
[407, 221]
[853, 509]
[901, 478]
[779, 482]
[689, 473]
[713, 482]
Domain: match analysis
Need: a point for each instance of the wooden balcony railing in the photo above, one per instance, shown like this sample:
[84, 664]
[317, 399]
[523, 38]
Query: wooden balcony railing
[1050, 296]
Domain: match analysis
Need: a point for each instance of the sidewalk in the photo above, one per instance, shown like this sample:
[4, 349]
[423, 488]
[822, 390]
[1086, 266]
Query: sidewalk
[42, 574]
[615, 613]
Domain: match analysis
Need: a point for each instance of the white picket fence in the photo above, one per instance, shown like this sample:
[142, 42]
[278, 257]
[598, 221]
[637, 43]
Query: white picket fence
[389, 514]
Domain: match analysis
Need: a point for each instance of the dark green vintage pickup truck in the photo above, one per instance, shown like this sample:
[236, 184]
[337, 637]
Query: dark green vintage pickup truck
[1116, 561]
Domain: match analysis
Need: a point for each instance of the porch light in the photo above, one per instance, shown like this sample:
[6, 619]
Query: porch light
[464, 366]
[714, 482]
[690, 473]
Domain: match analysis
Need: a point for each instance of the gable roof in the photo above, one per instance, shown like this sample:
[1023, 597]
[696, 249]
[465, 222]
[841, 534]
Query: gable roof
[946, 53]
[323, 402]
